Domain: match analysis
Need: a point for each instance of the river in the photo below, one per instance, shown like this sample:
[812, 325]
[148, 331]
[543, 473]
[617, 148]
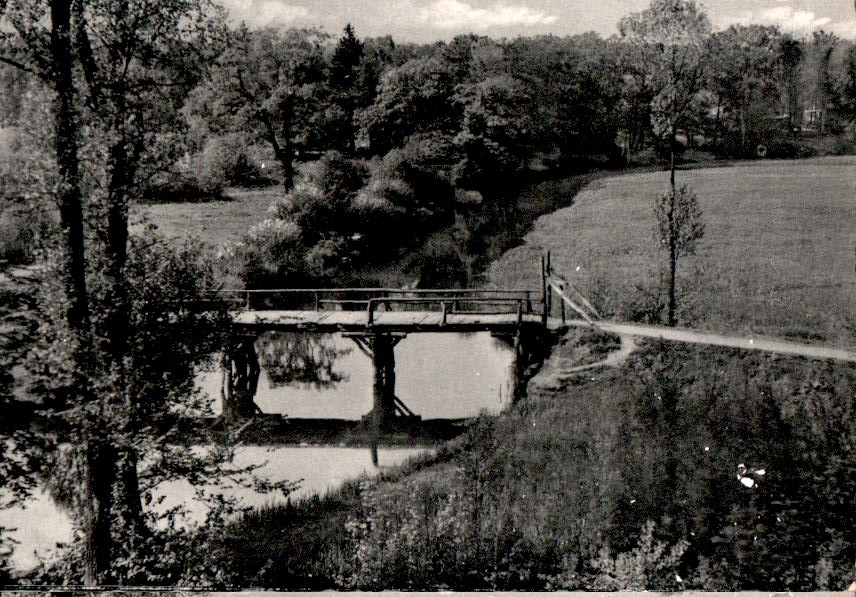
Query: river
[438, 376]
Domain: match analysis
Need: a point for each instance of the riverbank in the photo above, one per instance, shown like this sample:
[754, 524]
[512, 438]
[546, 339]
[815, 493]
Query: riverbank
[601, 460]
[604, 466]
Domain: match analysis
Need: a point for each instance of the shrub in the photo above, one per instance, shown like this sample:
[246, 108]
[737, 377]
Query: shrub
[338, 177]
[16, 235]
[270, 255]
[788, 149]
[226, 161]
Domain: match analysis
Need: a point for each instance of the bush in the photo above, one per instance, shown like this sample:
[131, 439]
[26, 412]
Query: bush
[16, 237]
[270, 255]
[308, 207]
[226, 161]
[787, 149]
[338, 177]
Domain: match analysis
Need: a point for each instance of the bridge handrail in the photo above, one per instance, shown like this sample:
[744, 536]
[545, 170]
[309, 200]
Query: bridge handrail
[359, 296]
[521, 304]
[417, 291]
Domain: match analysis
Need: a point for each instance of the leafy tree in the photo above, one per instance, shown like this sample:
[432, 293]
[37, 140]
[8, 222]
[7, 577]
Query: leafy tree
[679, 226]
[133, 61]
[414, 97]
[267, 83]
[347, 84]
[790, 53]
[670, 38]
[847, 85]
[819, 77]
[744, 72]
[495, 132]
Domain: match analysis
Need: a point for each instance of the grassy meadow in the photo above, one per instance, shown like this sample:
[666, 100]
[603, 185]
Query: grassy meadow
[212, 222]
[777, 256]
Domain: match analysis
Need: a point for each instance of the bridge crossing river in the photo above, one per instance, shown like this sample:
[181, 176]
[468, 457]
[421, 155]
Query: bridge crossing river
[376, 319]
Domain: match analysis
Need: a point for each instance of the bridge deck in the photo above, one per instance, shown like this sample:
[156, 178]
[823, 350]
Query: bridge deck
[387, 321]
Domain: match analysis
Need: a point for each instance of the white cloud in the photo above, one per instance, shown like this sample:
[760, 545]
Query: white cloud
[456, 14]
[258, 13]
[787, 18]
[844, 29]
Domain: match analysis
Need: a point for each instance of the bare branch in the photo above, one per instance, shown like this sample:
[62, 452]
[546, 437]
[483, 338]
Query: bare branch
[20, 66]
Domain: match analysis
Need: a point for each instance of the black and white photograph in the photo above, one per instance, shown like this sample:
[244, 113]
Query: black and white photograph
[427, 295]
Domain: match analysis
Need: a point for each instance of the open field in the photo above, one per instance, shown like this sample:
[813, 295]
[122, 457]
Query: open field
[213, 222]
[777, 256]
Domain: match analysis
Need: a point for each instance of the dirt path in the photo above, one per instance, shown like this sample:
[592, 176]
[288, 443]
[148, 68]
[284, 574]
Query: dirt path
[713, 339]
[558, 369]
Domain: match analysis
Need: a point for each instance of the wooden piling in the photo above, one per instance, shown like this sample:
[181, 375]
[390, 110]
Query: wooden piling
[381, 349]
[518, 366]
[543, 293]
[549, 287]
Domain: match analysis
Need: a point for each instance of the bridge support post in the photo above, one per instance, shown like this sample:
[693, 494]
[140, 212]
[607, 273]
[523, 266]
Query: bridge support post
[380, 348]
[527, 355]
[240, 379]
[383, 389]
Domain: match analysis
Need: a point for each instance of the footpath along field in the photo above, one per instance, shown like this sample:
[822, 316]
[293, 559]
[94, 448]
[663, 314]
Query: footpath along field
[777, 256]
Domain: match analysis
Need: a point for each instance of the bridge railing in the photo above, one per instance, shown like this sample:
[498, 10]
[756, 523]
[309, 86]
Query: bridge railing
[373, 299]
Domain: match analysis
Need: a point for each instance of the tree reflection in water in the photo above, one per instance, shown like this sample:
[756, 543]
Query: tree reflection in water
[300, 358]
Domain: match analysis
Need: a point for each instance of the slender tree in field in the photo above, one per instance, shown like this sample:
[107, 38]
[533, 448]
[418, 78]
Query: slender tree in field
[679, 221]
[669, 38]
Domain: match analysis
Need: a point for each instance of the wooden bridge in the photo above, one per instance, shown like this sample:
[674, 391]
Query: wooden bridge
[377, 319]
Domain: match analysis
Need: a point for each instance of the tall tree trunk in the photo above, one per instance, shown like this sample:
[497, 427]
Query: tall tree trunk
[100, 473]
[283, 152]
[121, 176]
[97, 469]
[716, 123]
[70, 198]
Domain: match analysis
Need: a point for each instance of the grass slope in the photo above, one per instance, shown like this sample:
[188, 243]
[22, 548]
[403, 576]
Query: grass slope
[213, 222]
[777, 256]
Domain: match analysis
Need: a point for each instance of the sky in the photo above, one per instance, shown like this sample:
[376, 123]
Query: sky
[431, 20]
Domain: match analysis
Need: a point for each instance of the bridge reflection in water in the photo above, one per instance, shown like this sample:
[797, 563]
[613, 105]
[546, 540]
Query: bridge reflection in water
[375, 321]
[442, 380]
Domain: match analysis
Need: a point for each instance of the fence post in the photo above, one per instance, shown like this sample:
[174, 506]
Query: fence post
[317, 303]
[371, 312]
[543, 293]
[443, 307]
[549, 270]
[248, 301]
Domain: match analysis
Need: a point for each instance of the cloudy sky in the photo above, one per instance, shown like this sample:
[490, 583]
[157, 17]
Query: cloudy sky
[429, 20]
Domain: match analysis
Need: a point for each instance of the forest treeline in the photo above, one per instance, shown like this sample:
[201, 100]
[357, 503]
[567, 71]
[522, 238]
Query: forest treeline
[403, 126]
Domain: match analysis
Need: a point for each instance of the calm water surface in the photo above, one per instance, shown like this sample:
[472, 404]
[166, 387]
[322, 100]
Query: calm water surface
[437, 376]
